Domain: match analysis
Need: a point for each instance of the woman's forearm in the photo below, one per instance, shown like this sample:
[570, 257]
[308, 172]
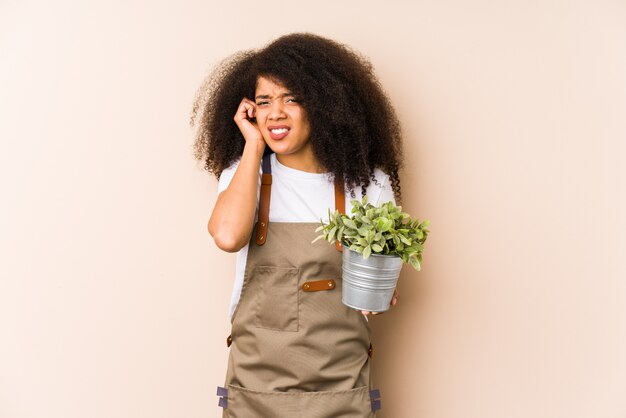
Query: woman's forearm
[232, 218]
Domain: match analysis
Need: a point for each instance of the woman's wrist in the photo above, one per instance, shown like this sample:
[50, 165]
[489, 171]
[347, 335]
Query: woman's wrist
[255, 149]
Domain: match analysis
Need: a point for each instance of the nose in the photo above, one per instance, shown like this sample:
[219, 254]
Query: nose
[276, 110]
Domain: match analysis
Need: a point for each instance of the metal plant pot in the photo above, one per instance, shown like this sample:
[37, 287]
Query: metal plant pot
[368, 285]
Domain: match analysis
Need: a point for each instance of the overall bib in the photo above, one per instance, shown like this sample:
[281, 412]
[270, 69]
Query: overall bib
[296, 351]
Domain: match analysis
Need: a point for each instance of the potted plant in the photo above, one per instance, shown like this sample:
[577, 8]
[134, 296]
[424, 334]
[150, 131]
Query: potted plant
[377, 241]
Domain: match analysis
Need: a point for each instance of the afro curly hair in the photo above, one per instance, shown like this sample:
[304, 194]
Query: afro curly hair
[354, 128]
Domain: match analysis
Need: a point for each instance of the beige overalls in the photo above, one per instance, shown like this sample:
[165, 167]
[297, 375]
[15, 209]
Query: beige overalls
[296, 351]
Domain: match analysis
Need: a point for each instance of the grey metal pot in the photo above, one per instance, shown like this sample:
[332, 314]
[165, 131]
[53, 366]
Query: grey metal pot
[368, 285]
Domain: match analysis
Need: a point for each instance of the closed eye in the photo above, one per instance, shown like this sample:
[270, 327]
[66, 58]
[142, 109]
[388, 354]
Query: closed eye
[288, 100]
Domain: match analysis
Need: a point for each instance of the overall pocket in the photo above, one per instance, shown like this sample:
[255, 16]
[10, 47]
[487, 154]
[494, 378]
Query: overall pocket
[246, 403]
[277, 298]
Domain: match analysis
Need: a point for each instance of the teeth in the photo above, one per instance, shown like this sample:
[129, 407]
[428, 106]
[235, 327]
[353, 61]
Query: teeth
[279, 131]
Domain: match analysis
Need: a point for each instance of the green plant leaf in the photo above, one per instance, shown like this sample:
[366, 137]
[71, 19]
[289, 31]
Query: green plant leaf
[382, 229]
[415, 263]
[350, 223]
[318, 238]
[363, 230]
[331, 234]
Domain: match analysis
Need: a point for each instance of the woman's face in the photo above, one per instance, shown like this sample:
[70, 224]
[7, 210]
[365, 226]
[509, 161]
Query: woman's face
[282, 121]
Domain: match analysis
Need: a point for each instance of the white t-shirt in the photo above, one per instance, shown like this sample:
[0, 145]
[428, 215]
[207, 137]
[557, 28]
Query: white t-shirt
[298, 196]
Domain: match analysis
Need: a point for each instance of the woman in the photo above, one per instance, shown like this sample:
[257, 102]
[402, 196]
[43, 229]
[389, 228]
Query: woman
[291, 130]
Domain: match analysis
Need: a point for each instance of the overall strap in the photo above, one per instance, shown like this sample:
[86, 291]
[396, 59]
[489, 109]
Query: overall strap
[340, 205]
[264, 201]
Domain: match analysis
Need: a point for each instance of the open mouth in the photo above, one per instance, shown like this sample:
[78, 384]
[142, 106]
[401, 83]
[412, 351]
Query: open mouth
[278, 133]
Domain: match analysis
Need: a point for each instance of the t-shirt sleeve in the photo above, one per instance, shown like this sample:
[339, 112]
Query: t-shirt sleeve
[226, 177]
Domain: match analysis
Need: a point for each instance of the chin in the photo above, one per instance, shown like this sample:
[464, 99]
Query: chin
[279, 149]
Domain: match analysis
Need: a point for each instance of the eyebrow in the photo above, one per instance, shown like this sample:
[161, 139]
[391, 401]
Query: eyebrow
[265, 96]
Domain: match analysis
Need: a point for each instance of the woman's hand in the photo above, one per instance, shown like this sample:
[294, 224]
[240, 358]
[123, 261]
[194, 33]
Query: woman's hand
[244, 118]
[394, 300]
[232, 219]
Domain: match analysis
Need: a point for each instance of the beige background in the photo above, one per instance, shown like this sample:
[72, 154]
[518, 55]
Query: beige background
[113, 297]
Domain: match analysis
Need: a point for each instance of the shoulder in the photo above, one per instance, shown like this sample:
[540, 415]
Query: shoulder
[378, 191]
[227, 175]
[381, 176]
[230, 170]
[384, 188]
[378, 184]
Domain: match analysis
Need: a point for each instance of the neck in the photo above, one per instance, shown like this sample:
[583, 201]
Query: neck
[307, 164]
